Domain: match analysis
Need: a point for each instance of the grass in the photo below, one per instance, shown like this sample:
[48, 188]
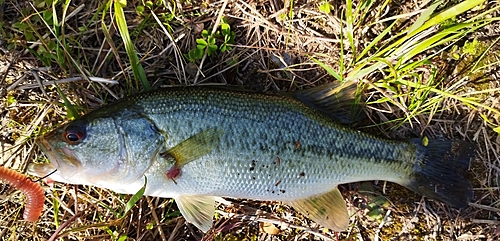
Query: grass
[426, 70]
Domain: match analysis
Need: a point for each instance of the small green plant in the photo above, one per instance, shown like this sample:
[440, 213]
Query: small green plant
[208, 42]
[228, 36]
[325, 7]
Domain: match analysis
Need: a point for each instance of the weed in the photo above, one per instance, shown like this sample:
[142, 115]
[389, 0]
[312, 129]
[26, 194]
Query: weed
[121, 22]
[393, 59]
[325, 7]
[208, 42]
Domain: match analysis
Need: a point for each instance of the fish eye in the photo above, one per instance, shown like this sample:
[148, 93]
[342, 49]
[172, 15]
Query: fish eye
[74, 134]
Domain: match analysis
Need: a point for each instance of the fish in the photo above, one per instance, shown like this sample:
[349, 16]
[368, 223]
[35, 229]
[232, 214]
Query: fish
[196, 144]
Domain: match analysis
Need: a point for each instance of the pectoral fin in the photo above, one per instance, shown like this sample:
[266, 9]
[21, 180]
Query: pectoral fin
[195, 146]
[328, 209]
[198, 210]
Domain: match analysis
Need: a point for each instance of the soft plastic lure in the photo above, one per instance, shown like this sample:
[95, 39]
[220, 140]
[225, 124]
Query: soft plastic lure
[34, 192]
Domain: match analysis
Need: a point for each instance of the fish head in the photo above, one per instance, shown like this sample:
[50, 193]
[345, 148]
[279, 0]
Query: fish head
[110, 152]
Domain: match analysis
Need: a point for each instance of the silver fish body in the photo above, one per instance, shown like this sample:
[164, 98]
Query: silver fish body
[197, 143]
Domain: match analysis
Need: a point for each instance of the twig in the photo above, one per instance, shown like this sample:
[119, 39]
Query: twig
[176, 229]
[156, 219]
[484, 207]
[229, 67]
[68, 80]
[64, 225]
[39, 82]
[486, 221]
[177, 51]
[377, 233]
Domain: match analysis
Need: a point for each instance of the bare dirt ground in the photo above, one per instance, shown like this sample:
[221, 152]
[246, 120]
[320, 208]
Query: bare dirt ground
[43, 62]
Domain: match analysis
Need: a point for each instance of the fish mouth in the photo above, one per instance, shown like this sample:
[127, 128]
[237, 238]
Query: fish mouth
[61, 161]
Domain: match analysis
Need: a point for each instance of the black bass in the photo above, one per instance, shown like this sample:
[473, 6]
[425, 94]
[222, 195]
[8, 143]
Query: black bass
[194, 144]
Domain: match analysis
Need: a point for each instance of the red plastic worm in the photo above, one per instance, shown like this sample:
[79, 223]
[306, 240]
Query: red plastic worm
[34, 192]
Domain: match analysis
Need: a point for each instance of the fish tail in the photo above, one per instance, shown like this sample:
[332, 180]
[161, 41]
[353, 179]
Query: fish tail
[440, 170]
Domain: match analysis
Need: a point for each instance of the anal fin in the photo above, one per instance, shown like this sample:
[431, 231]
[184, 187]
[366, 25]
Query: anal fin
[327, 209]
[198, 210]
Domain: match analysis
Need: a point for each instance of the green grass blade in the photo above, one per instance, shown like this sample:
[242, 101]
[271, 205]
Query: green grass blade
[447, 14]
[72, 113]
[376, 41]
[56, 210]
[328, 69]
[349, 26]
[436, 20]
[135, 198]
[424, 16]
[470, 101]
[121, 22]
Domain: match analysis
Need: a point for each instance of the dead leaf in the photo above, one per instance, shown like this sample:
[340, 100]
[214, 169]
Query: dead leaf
[268, 228]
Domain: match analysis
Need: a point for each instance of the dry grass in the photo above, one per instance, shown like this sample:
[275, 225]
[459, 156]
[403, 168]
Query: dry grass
[271, 53]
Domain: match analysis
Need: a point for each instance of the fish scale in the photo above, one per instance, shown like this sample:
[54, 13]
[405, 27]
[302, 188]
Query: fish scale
[267, 135]
[198, 143]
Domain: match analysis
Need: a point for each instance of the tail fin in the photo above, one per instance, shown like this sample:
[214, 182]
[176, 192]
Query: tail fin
[440, 171]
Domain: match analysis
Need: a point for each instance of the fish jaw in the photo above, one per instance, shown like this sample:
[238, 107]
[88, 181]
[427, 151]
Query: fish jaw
[63, 164]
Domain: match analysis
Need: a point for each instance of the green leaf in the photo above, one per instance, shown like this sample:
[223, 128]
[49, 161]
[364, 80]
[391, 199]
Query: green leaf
[447, 14]
[135, 198]
[198, 53]
[212, 49]
[325, 7]
[205, 33]
[123, 238]
[211, 41]
[201, 42]
[140, 9]
[226, 29]
[55, 201]
[497, 129]
[10, 100]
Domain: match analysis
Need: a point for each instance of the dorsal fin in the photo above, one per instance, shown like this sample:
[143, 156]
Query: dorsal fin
[340, 101]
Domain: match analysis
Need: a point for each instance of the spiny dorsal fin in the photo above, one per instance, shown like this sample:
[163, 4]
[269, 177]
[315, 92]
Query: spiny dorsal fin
[195, 146]
[340, 101]
[327, 209]
[198, 210]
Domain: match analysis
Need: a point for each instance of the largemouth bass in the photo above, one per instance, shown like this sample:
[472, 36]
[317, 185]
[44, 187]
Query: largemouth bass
[197, 143]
